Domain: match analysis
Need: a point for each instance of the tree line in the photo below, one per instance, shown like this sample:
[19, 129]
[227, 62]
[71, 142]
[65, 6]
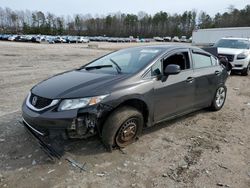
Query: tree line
[119, 24]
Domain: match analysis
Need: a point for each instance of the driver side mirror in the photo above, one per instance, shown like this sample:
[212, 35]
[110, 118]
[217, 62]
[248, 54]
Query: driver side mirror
[172, 69]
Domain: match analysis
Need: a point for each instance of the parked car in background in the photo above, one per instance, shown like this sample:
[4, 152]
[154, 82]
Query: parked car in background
[23, 38]
[135, 40]
[82, 40]
[175, 39]
[59, 39]
[72, 39]
[119, 94]
[51, 40]
[167, 39]
[159, 39]
[144, 40]
[12, 37]
[237, 51]
[40, 39]
[183, 39]
[190, 39]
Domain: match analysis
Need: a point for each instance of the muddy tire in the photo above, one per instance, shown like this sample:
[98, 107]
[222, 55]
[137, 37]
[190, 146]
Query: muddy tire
[122, 127]
[219, 98]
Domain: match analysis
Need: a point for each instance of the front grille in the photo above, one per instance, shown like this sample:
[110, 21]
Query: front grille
[228, 56]
[39, 102]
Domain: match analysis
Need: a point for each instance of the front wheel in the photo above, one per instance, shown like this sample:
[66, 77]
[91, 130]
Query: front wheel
[122, 127]
[246, 71]
[219, 98]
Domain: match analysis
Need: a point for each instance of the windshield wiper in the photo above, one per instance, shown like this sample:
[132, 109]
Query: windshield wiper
[118, 68]
[97, 67]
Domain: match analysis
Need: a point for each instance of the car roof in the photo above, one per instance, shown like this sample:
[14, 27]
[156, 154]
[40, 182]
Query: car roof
[165, 47]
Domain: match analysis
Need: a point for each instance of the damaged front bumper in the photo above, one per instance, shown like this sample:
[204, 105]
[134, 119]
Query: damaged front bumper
[79, 123]
[45, 146]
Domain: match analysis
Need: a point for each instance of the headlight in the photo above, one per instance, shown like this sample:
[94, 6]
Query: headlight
[242, 55]
[70, 104]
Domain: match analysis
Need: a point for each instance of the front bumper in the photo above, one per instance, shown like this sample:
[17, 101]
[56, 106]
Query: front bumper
[239, 65]
[48, 120]
[45, 146]
[31, 128]
[78, 121]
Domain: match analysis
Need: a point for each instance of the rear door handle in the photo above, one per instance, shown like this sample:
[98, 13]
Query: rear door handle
[190, 79]
[217, 72]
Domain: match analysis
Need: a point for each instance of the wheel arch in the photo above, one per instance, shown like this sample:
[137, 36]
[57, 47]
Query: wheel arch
[136, 103]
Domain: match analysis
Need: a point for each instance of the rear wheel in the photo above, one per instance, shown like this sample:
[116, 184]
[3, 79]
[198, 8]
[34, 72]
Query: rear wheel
[122, 127]
[246, 71]
[219, 98]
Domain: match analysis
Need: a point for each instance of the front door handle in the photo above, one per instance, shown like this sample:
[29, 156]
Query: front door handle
[190, 79]
[217, 72]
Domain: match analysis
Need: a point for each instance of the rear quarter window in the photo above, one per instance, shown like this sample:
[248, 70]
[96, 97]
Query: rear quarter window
[214, 61]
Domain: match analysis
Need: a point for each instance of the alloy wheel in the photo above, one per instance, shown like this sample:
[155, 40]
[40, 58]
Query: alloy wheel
[220, 96]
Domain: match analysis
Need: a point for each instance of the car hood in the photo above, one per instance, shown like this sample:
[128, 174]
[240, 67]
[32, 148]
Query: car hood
[76, 84]
[232, 51]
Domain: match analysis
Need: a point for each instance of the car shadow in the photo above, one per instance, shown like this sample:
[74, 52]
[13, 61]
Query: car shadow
[233, 74]
[169, 123]
[21, 150]
[94, 146]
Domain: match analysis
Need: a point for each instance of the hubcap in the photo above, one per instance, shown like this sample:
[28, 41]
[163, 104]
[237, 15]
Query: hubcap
[127, 132]
[220, 96]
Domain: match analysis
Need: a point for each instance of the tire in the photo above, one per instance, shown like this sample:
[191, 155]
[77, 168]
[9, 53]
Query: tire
[246, 71]
[124, 119]
[219, 98]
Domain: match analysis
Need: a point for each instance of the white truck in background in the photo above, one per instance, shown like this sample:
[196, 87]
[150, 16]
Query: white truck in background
[208, 37]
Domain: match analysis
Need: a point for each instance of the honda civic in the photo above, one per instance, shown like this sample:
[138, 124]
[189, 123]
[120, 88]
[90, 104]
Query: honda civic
[118, 95]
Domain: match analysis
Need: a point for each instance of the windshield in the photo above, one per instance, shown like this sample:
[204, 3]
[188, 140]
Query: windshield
[233, 43]
[125, 61]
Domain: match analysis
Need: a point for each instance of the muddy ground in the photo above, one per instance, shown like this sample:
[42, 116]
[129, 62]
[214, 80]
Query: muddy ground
[203, 149]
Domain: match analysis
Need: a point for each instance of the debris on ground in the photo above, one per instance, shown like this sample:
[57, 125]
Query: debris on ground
[164, 175]
[241, 143]
[20, 169]
[49, 172]
[34, 162]
[248, 173]
[133, 185]
[1, 177]
[2, 140]
[222, 185]
[76, 164]
[101, 174]
[122, 151]
[222, 166]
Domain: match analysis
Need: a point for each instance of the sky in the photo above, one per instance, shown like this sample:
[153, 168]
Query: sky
[104, 7]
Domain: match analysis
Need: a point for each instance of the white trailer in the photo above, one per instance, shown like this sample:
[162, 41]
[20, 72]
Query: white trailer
[207, 37]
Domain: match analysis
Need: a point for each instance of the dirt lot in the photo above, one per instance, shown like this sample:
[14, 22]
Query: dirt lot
[203, 149]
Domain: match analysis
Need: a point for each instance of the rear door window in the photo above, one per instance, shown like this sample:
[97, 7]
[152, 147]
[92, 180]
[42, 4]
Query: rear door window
[201, 60]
